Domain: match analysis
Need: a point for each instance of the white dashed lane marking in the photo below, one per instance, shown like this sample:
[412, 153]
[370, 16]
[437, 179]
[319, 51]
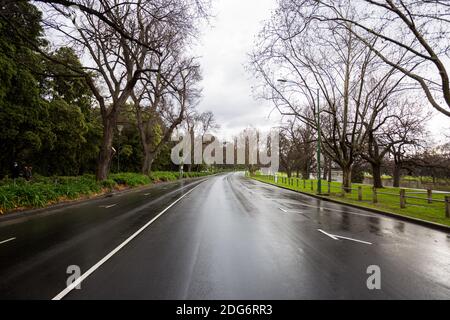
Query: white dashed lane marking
[7, 240]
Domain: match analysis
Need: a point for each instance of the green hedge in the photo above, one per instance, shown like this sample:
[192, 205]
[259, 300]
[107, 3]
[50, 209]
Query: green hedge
[130, 179]
[163, 176]
[44, 191]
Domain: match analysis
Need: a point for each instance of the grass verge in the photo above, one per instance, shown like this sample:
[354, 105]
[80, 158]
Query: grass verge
[417, 205]
[45, 191]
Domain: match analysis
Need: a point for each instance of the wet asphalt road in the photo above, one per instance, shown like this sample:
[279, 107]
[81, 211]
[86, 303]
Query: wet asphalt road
[229, 238]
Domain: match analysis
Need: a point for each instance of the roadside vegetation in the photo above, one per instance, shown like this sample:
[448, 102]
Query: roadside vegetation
[68, 130]
[45, 191]
[388, 198]
[355, 82]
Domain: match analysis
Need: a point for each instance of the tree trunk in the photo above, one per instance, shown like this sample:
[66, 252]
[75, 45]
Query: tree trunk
[326, 170]
[146, 164]
[289, 173]
[306, 175]
[347, 179]
[149, 158]
[305, 171]
[397, 170]
[330, 170]
[376, 172]
[105, 156]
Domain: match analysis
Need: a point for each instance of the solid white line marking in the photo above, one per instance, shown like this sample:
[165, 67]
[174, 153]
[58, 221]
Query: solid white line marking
[329, 235]
[83, 277]
[283, 210]
[336, 237]
[8, 240]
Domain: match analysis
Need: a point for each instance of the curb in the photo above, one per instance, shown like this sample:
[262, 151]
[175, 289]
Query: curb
[19, 214]
[421, 222]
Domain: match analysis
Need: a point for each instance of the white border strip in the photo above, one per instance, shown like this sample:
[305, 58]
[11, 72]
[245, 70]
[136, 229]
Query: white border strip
[83, 277]
[8, 240]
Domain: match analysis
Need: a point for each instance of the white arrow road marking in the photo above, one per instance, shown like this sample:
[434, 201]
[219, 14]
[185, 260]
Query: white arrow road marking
[8, 240]
[147, 194]
[350, 239]
[336, 237]
[283, 210]
[327, 234]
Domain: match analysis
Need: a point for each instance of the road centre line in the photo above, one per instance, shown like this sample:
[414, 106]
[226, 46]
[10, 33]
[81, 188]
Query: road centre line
[84, 276]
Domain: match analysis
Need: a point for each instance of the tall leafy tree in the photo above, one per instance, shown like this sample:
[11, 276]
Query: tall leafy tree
[23, 125]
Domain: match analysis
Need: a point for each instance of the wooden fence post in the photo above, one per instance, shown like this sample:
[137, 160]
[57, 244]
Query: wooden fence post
[360, 195]
[312, 185]
[430, 195]
[374, 195]
[329, 187]
[403, 198]
[304, 184]
[447, 207]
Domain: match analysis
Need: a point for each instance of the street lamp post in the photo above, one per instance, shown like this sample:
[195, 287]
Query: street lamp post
[120, 129]
[319, 143]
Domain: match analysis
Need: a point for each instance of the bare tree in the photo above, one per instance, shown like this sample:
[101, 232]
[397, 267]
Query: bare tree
[198, 126]
[384, 136]
[297, 149]
[419, 31]
[329, 77]
[117, 43]
[169, 95]
[100, 10]
[406, 136]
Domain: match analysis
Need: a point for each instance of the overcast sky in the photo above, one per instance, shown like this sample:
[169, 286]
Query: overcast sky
[223, 48]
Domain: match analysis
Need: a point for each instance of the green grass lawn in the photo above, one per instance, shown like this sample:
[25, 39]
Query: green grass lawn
[388, 198]
[44, 191]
